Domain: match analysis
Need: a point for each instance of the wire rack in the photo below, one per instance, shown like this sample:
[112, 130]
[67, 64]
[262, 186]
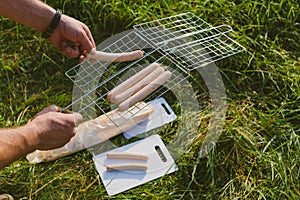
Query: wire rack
[181, 43]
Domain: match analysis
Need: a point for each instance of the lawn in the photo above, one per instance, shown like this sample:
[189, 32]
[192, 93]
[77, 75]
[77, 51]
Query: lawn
[257, 155]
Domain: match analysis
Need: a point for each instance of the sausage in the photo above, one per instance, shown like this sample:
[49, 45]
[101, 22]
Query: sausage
[144, 92]
[139, 85]
[115, 57]
[124, 155]
[131, 81]
[129, 166]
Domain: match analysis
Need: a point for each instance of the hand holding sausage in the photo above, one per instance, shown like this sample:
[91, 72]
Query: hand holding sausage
[72, 38]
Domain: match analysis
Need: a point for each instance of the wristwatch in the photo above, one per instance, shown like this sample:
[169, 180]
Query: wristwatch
[53, 24]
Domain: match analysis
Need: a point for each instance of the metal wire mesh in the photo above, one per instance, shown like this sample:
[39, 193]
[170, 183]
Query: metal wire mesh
[189, 36]
[90, 99]
[181, 43]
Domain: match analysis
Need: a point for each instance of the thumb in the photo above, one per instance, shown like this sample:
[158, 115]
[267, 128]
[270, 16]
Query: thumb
[72, 117]
[77, 118]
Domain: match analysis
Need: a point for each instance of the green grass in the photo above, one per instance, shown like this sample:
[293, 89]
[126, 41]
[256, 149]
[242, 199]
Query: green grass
[258, 153]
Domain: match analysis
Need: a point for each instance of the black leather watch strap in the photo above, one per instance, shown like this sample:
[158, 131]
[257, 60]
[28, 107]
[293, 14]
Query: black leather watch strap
[53, 24]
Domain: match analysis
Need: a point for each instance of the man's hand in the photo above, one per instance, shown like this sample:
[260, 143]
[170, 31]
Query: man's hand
[53, 129]
[49, 129]
[72, 38]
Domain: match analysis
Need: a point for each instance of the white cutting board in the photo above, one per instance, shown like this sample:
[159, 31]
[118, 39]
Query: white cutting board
[119, 181]
[163, 114]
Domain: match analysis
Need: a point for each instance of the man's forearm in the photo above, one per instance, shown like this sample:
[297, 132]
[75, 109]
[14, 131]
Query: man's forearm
[15, 143]
[32, 13]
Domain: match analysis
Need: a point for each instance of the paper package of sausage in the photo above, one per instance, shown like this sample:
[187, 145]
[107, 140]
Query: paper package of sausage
[96, 131]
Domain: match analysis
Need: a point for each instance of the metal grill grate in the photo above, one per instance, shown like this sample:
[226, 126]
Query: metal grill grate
[181, 43]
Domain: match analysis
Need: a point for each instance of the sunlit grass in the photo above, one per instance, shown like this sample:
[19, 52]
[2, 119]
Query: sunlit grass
[257, 154]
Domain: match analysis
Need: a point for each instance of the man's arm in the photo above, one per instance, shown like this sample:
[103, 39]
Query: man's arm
[50, 129]
[14, 144]
[72, 37]
[32, 13]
